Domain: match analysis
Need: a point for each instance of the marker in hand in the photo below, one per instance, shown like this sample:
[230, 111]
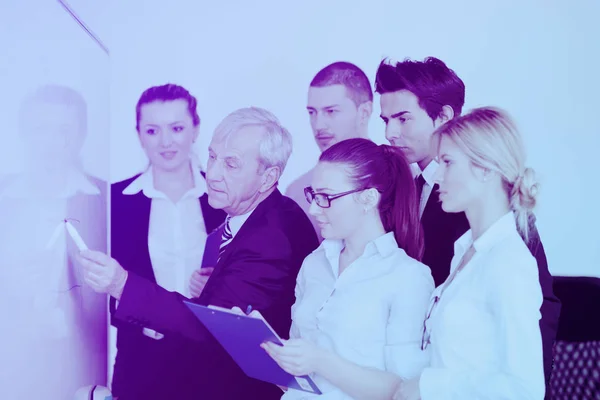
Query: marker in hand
[75, 236]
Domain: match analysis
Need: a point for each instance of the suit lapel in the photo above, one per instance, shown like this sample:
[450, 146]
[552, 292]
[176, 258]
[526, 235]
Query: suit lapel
[211, 249]
[139, 216]
[247, 228]
[212, 218]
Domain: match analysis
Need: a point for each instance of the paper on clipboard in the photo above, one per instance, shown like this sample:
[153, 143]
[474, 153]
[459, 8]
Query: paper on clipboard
[241, 336]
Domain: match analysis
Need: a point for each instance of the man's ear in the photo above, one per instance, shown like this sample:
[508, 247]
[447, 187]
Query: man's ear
[446, 115]
[270, 178]
[364, 112]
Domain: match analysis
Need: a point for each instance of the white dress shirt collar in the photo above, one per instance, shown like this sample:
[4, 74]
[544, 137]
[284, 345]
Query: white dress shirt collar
[485, 333]
[145, 184]
[371, 315]
[384, 245]
[429, 172]
[236, 222]
[496, 232]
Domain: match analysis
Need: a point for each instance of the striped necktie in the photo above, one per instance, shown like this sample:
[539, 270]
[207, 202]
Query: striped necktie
[226, 237]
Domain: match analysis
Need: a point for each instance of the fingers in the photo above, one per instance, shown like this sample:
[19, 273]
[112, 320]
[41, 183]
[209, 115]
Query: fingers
[199, 277]
[95, 282]
[195, 291]
[91, 266]
[200, 280]
[282, 351]
[95, 275]
[197, 286]
[95, 256]
[92, 276]
[290, 363]
[237, 310]
[197, 283]
[257, 314]
[206, 271]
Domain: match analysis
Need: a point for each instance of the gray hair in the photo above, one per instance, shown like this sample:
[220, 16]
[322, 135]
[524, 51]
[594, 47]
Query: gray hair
[275, 146]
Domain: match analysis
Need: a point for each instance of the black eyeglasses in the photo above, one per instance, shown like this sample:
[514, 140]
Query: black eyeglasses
[324, 200]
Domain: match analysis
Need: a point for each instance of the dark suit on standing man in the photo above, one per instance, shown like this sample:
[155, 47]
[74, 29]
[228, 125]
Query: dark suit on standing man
[259, 268]
[145, 367]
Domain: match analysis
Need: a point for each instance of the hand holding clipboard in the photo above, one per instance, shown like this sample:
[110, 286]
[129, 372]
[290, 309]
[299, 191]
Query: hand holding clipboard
[241, 336]
[297, 357]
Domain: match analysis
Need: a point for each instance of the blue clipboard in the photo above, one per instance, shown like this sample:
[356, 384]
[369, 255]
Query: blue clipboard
[241, 336]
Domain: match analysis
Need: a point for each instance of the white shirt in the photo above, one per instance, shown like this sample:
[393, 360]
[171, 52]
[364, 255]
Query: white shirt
[485, 336]
[236, 222]
[428, 174]
[176, 234]
[372, 314]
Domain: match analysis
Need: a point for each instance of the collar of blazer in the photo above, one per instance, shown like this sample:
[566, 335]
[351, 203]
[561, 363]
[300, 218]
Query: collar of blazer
[253, 220]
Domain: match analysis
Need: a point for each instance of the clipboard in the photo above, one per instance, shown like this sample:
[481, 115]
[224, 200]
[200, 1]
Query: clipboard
[241, 336]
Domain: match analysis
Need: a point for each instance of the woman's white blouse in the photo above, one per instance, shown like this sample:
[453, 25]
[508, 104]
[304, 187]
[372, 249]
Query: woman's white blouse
[371, 315]
[485, 336]
[176, 232]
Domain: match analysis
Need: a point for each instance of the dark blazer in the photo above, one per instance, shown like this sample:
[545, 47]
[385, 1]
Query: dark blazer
[144, 366]
[442, 229]
[259, 268]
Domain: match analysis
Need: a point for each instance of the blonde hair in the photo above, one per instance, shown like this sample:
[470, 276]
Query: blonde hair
[275, 146]
[491, 140]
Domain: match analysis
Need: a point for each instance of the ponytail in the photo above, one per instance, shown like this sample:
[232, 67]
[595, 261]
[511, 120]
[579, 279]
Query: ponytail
[398, 207]
[523, 196]
[385, 169]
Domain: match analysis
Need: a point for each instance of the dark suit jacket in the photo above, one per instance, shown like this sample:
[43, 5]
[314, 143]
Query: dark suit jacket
[144, 366]
[259, 268]
[442, 229]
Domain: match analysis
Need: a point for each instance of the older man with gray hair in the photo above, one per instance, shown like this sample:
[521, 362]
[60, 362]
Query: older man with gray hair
[263, 242]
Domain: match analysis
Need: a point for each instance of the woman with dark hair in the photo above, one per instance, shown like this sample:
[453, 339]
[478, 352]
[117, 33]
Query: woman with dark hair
[159, 224]
[361, 297]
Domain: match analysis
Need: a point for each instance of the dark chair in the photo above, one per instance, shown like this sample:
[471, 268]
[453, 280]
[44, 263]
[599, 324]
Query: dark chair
[576, 372]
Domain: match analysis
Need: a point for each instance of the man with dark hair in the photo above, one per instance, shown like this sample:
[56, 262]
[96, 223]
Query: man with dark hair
[416, 98]
[340, 104]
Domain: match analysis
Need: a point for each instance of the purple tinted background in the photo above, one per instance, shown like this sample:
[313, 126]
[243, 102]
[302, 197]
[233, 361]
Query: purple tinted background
[538, 60]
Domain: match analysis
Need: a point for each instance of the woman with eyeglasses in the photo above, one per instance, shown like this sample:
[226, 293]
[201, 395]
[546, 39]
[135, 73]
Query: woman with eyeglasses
[362, 296]
[482, 328]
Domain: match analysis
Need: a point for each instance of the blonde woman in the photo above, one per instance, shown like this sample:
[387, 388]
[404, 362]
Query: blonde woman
[482, 329]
